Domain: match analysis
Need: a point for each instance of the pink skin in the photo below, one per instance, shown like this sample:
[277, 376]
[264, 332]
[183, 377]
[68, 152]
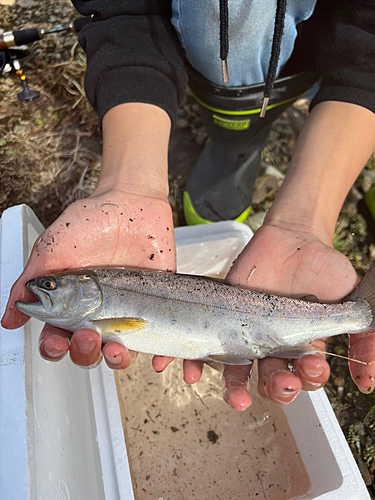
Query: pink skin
[362, 347]
[296, 263]
[123, 229]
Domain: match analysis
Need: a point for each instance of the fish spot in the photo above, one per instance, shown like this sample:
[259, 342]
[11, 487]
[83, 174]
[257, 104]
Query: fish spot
[298, 248]
[358, 377]
[67, 224]
[152, 256]
[131, 220]
[161, 251]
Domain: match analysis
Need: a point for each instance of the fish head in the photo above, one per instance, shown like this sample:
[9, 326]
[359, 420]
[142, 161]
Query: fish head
[63, 300]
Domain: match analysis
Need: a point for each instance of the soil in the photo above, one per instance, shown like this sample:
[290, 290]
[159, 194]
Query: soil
[50, 153]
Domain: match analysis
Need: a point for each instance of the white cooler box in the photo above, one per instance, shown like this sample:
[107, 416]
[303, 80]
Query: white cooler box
[61, 434]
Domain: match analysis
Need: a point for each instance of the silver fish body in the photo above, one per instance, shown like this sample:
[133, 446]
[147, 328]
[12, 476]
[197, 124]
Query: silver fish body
[190, 317]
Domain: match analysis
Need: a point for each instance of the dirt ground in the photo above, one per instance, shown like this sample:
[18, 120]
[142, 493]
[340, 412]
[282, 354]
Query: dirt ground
[50, 153]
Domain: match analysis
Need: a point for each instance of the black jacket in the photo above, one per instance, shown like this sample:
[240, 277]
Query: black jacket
[134, 55]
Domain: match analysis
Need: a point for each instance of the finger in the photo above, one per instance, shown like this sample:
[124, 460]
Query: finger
[237, 385]
[160, 363]
[117, 356]
[54, 343]
[276, 382]
[192, 371]
[362, 347]
[13, 318]
[36, 265]
[85, 347]
[313, 371]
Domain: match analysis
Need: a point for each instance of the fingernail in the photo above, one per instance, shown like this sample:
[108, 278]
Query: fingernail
[281, 393]
[50, 349]
[115, 359]
[313, 371]
[52, 354]
[366, 391]
[240, 395]
[285, 392]
[94, 365]
[87, 346]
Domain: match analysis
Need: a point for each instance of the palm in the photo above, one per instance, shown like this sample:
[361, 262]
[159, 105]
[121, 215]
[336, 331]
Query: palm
[292, 263]
[115, 229]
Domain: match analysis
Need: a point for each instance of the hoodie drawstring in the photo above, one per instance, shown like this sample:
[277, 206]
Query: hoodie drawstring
[224, 42]
[275, 54]
[275, 51]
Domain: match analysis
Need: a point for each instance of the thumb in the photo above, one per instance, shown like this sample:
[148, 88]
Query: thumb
[36, 266]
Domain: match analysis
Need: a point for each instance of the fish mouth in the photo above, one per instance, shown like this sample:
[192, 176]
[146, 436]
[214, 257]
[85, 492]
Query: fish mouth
[43, 304]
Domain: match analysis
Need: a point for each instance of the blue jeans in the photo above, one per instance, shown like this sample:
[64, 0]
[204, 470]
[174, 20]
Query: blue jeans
[251, 25]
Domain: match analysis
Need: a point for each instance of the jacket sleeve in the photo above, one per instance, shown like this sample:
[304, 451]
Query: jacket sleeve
[133, 54]
[346, 52]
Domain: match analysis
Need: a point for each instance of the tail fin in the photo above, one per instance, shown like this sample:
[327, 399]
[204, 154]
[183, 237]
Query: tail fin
[366, 290]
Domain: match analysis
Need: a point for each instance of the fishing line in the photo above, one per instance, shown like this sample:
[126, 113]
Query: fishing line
[345, 357]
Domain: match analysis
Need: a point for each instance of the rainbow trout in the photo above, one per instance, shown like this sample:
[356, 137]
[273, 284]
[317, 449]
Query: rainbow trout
[193, 317]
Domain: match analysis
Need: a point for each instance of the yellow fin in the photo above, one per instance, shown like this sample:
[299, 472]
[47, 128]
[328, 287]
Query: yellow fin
[119, 325]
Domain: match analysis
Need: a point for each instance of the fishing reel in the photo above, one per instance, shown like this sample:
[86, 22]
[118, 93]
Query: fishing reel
[10, 60]
[14, 51]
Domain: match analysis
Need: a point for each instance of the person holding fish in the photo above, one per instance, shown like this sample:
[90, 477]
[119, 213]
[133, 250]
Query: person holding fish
[137, 54]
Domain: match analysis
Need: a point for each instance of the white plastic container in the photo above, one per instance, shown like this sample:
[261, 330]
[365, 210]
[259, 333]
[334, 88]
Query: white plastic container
[61, 434]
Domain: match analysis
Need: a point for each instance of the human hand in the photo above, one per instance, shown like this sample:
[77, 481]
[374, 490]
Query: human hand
[113, 228]
[295, 263]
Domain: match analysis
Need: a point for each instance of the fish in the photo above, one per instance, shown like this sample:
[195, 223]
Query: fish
[194, 317]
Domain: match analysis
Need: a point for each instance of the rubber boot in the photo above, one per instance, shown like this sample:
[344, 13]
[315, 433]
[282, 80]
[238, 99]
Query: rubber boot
[370, 202]
[221, 184]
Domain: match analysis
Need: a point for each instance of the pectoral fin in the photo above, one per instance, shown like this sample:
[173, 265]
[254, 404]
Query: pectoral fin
[219, 367]
[293, 353]
[119, 325]
[228, 359]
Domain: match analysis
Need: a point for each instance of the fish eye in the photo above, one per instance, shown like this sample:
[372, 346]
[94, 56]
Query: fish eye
[48, 283]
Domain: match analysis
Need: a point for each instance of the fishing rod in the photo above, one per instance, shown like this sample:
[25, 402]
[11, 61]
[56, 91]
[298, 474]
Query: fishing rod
[13, 47]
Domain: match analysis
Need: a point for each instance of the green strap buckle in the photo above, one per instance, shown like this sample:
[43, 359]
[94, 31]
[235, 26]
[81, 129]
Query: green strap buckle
[370, 201]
